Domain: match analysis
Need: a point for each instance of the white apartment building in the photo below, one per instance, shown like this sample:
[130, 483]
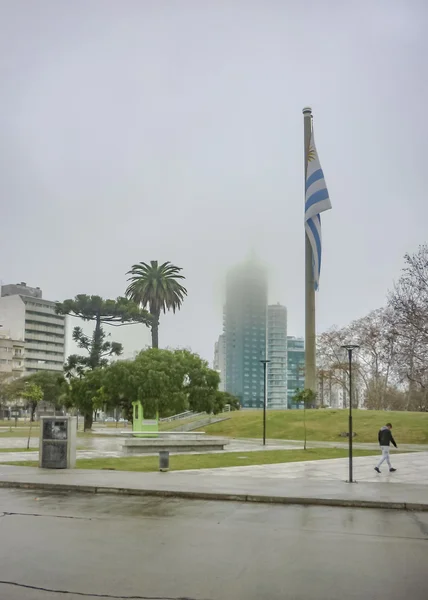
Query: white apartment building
[277, 356]
[333, 389]
[32, 320]
[11, 354]
[219, 363]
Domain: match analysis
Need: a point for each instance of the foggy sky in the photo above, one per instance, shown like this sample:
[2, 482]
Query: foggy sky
[133, 130]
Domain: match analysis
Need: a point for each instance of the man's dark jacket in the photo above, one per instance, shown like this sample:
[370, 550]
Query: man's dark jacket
[385, 437]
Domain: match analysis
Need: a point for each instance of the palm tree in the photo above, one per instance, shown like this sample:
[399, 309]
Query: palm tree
[156, 287]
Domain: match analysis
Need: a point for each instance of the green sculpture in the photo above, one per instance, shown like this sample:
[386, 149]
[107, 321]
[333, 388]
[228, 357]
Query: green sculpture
[150, 427]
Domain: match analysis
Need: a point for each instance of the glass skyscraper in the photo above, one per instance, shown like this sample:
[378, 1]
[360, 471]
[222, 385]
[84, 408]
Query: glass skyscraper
[244, 327]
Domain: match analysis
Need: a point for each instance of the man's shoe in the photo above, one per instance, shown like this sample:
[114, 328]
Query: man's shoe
[391, 470]
[377, 469]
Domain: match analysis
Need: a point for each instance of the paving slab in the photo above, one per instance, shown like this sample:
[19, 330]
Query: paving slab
[412, 468]
[308, 483]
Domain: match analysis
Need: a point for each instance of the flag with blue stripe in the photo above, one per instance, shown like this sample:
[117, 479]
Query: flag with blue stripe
[316, 201]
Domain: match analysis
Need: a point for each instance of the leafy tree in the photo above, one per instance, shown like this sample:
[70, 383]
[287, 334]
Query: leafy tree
[33, 393]
[156, 287]
[102, 312]
[308, 398]
[52, 384]
[87, 393]
[4, 390]
[166, 381]
[121, 311]
[222, 399]
[76, 364]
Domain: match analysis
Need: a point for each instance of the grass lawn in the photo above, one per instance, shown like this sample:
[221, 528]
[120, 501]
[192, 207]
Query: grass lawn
[20, 432]
[18, 450]
[209, 461]
[323, 425]
[11, 423]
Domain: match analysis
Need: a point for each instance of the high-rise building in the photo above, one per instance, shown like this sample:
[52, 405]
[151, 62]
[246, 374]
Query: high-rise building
[277, 356]
[244, 327]
[219, 362]
[295, 368]
[33, 320]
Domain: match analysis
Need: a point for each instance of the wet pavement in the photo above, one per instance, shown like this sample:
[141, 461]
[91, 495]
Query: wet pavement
[309, 483]
[412, 468]
[110, 446]
[170, 548]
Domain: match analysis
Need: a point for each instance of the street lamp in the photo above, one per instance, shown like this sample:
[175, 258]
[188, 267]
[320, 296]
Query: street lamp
[264, 363]
[350, 348]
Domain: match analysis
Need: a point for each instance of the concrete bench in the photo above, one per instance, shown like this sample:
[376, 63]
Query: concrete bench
[188, 444]
[166, 434]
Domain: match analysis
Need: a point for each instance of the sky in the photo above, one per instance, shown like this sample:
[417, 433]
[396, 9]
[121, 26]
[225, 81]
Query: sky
[134, 130]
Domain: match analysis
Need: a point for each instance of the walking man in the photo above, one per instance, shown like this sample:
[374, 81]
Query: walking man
[385, 438]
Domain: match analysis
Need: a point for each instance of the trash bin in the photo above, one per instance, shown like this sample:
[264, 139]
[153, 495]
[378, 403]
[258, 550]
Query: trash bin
[164, 460]
[57, 448]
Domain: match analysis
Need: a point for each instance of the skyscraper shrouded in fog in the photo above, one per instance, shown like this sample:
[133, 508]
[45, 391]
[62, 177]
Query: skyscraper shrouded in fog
[244, 327]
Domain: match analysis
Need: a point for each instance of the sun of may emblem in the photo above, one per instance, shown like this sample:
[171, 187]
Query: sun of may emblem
[311, 153]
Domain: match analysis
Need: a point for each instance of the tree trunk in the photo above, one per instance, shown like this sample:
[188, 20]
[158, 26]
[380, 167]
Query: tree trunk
[155, 331]
[29, 434]
[96, 343]
[304, 421]
[88, 420]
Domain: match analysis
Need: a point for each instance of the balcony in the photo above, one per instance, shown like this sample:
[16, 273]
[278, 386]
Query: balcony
[41, 309]
[43, 356]
[44, 319]
[32, 367]
[43, 328]
[44, 346]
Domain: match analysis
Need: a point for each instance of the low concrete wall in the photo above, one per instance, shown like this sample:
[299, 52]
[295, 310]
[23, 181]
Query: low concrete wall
[170, 435]
[151, 446]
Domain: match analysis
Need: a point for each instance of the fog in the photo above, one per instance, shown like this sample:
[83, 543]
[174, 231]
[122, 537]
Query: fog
[140, 130]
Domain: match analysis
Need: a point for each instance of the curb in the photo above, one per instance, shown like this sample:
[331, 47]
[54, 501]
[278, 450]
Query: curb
[219, 496]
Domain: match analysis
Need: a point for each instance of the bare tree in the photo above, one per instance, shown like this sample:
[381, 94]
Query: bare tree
[376, 336]
[331, 359]
[409, 304]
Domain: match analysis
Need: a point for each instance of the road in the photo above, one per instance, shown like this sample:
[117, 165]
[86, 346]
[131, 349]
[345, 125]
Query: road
[170, 548]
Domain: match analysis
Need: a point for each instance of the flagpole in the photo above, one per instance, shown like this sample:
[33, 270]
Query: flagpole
[310, 339]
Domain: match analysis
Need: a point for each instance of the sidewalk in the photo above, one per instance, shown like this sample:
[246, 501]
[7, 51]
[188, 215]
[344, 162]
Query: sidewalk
[307, 483]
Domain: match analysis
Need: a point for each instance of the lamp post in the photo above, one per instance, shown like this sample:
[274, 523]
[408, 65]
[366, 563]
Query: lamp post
[264, 363]
[350, 348]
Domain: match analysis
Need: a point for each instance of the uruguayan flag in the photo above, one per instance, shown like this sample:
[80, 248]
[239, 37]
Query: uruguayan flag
[317, 201]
